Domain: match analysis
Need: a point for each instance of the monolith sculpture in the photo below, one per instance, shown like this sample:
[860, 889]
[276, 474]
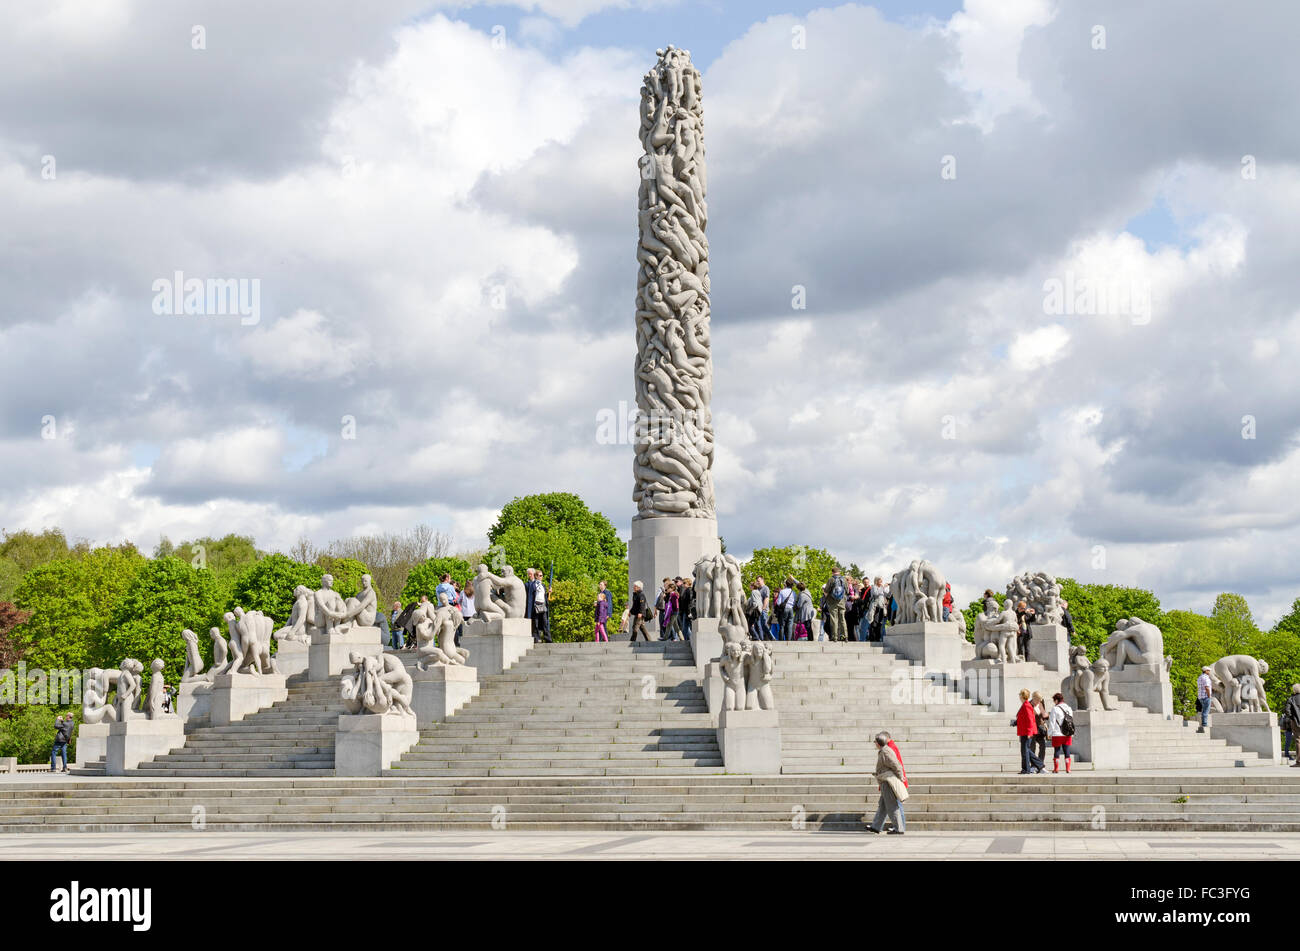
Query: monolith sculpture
[675, 524]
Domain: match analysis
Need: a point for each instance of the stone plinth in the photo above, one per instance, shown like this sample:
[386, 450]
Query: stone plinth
[368, 743]
[1147, 687]
[1101, 737]
[935, 645]
[1253, 732]
[750, 741]
[441, 690]
[194, 703]
[998, 684]
[138, 740]
[327, 656]
[706, 642]
[967, 650]
[292, 657]
[235, 696]
[495, 646]
[1050, 646]
[667, 548]
[92, 743]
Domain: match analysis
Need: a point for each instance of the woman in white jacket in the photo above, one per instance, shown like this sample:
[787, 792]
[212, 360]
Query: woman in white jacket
[1060, 742]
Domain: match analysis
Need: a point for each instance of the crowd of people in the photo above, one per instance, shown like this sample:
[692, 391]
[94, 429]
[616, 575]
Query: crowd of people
[1036, 725]
[398, 627]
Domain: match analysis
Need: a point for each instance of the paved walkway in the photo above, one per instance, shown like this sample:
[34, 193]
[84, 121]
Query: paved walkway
[479, 846]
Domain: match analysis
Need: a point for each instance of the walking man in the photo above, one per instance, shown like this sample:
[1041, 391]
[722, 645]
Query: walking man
[636, 617]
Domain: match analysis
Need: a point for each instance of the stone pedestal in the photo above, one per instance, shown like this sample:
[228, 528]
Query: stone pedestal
[1147, 687]
[998, 684]
[713, 689]
[1101, 738]
[706, 642]
[92, 743]
[1253, 732]
[366, 744]
[933, 644]
[666, 548]
[441, 690]
[138, 740]
[967, 650]
[235, 696]
[494, 646]
[327, 656]
[750, 741]
[1050, 646]
[194, 703]
[292, 657]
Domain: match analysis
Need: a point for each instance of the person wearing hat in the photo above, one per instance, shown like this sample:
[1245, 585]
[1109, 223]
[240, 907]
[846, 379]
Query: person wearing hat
[1204, 693]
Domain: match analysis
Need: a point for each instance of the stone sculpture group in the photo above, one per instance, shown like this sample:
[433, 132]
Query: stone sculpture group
[377, 685]
[1136, 643]
[498, 596]
[995, 636]
[1039, 591]
[1238, 685]
[1086, 679]
[435, 634]
[919, 590]
[674, 367]
[747, 676]
[719, 591]
[127, 685]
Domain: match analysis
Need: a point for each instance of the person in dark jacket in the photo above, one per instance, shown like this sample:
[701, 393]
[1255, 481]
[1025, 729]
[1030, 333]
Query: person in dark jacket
[1025, 616]
[1291, 723]
[686, 606]
[636, 617]
[62, 737]
[1067, 622]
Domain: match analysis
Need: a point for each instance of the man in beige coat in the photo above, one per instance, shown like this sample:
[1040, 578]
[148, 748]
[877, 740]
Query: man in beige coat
[893, 787]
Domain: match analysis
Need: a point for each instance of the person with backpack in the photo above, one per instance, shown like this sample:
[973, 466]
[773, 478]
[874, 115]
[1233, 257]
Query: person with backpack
[1291, 723]
[1027, 728]
[1060, 727]
[62, 737]
[786, 599]
[833, 615]
[754, 611]
[803, 610]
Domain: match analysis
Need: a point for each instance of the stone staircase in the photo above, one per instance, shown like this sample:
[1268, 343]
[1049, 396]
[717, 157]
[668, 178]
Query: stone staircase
[582, 709]
[1241, 801]
[834, 698]
[288, 738]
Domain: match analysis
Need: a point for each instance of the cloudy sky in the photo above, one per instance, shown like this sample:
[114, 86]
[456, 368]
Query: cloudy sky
[438, 204]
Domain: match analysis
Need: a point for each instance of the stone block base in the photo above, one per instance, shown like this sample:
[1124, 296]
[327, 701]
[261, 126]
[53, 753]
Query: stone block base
[666, 548]
[706, 642]
[442, 690]
[327, 656]
[292, 657]
[1253, 732]
[934, 644]
[1050, 646]
[495, 646]
[235, 696]
[1145, 687]
[750, 741]
[998, 684]
[92, 743]
[713, 690]
[367, 744]
[136, 741]
[194, 703]
[1101, 737]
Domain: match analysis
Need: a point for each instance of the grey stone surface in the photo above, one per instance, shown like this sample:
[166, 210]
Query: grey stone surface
[706, 642]
[296, 628]
[1254, 732]
[1101, 737]
[328, 653]
[440, 691]
[1050, 646]
[750, 741]
[98, 683]
[137, 740]
[435, 634]
[674, 366]
[92, 743]
[366, 745]
[934, 644]
[498, 644]
[668, 548]
[998, 685]
[235, 696]
[292, 657]
[1144, 687]
[194, 702]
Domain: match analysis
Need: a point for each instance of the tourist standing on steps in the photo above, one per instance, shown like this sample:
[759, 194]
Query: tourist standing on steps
[686, 607]
[636, 615]
[1060, 742]
[62, 737]
[947, 602]
[668, 622]
[893, 786]
[1040, 717]
[541, 617]
[1025, 616]
[786, 599]
[754, 612]
[1204, 696]
[1291, 723]
[467, 610]
[803, 611]
[765, 594]
[398, 635]
[833, 616]
[1027, 729]
[602, 617]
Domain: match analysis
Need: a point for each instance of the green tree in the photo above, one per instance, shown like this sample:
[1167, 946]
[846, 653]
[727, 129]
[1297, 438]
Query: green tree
[346, 572]
[424, 577]
[812, 566]
[27, 549]
[572, 607]
[1280, 647]
[1190, 639]
[593, 535]
[524, 548]
[268, 586]
[166, 597]
[10, 576]
[1096, 607]
[221, 556]
[71, 603]
[1233, 624]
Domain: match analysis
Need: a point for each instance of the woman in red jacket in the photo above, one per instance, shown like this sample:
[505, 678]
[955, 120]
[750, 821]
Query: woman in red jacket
[1027, 729]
